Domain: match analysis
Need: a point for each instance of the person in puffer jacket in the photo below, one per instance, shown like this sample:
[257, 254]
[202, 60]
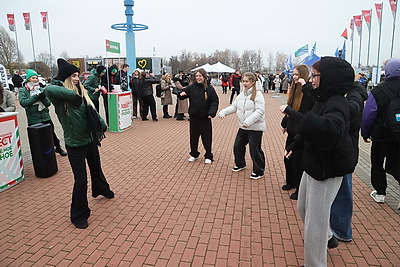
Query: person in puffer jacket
[328, 154]
[250, 108]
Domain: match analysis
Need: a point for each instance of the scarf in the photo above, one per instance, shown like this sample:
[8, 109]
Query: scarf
[34, 89]
[94, 124]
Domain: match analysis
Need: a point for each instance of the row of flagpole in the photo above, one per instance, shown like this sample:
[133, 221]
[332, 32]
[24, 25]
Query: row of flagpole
[28, 26]
[357, 21]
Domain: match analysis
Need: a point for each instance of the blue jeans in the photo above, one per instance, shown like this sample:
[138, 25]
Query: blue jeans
[342, 211]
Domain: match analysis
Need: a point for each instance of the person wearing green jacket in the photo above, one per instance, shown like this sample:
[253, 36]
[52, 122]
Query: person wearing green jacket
[83, 131]
[36, 105]
[93, 84]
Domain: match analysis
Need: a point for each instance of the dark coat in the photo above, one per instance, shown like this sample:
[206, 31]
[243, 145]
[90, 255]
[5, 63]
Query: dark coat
[328, 149]
[199, 107]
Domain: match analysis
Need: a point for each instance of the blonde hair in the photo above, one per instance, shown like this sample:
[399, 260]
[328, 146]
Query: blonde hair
[252, 78]
[205, 85]
[296, 93]
[166, 78]
[71, 86]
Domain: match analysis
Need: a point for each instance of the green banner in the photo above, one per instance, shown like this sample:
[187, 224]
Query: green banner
[112, 47]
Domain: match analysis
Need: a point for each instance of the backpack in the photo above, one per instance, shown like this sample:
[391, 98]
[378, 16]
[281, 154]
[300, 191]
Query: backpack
[158, 90]
[391, 121]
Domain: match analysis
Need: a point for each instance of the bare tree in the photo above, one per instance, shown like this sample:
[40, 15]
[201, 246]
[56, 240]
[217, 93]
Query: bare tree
[280, 62]
[64, 54]
[8, 49]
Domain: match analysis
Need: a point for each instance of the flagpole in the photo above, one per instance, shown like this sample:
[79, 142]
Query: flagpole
[369, 36]
[394, 27]
[16, 41]
[352, 46]
[48, 33]
[379, 47]
[359, 52]
[33, 45]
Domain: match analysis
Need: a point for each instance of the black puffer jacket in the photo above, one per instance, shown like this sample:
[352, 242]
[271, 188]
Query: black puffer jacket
[200, 107]
[328, 149]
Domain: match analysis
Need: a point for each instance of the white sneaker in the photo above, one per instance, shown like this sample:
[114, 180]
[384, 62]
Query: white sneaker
[255, 176]
[191, 159]
[208, 161]
[377, 198]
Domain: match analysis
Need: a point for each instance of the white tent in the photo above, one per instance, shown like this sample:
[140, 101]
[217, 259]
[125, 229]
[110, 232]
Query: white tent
[207, 67]
[220, 68]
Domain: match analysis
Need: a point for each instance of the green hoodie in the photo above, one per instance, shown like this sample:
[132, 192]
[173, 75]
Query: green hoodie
[92, 83]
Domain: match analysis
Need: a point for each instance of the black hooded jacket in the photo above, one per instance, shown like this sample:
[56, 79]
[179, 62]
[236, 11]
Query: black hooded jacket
[328, 149]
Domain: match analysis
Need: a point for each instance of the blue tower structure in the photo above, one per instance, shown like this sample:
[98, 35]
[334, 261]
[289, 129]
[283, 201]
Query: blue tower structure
[129, 27]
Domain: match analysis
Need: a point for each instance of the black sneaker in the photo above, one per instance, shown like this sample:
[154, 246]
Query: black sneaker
[256, 176]
[238, 169]
[333, 242]
[295, 195]
[287, 187]
[61, 151]
[81, 225]
[108, 195]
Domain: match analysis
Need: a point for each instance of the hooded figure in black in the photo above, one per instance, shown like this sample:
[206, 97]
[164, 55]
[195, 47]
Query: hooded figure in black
[107, 81]
[328, 154]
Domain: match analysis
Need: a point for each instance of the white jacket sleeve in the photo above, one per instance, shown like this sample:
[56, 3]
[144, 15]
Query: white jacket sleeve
[259, 109]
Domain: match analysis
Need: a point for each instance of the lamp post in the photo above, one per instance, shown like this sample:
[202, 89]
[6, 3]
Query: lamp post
[129, 27]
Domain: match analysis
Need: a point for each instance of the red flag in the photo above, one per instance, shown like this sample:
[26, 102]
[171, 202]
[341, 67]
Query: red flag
[44, 19]
[344, 34]
[378, 8]
[367, 17]
[27, 19]
[11, 22]
[352, 29]
[393, 7]
[358, 23]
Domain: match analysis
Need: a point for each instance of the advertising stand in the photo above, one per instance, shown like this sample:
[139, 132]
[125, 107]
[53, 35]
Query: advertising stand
[120, 111]
[11, 167]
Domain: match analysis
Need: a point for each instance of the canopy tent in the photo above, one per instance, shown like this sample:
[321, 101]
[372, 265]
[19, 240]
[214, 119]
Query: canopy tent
[219, 68]
[207, 67]
[216, 68]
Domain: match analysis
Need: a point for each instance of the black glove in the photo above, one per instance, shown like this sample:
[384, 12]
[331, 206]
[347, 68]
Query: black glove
[77, 102]
[42, 96]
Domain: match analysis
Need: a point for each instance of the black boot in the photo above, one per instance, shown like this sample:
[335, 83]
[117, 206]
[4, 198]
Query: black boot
[60, 151]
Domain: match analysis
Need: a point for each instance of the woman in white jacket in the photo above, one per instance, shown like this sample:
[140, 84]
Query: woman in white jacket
[250, 108]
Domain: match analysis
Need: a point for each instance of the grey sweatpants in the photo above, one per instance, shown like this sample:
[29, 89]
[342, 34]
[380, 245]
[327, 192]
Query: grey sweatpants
[314, 204]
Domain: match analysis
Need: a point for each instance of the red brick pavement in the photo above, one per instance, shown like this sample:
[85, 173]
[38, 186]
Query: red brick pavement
[169, 212]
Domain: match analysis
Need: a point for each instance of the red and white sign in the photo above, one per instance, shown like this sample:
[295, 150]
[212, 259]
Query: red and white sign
[378, 8]
[27, 19]
[393, 7]
[358, 23]
[44, 19]
[11, 22]
[367, 18]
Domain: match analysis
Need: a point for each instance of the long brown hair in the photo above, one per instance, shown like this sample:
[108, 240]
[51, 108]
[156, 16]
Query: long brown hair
[252, 77]
[204, 74]
[296, 94]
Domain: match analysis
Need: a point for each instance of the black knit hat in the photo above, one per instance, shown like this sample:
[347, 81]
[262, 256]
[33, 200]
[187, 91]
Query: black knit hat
[100, 69]
[65, 69]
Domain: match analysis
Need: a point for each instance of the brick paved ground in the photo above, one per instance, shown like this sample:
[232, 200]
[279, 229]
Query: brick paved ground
[169, 212]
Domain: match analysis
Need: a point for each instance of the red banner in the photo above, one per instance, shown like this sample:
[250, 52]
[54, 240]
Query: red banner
[344, 34]
[11, 22]
[378, 8]
[44, 19]
[393, 7]
[358, 23]
[27, 19]
[367, 17]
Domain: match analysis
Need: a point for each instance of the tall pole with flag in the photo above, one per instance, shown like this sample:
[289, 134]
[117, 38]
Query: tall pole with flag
[352, 40]
[393, 7]
[13, 28]
[379, 10]
[28, 26]
[345, 36]
[367, 18]
[358, 24]
[46, 26]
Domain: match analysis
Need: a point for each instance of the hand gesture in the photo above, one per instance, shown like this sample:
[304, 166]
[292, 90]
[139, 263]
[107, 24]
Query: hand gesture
[282, 108]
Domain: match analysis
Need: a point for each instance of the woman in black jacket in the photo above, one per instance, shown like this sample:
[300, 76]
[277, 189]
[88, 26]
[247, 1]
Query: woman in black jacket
[146, 94]
[203, 106]
[301, 100]
[328, 154]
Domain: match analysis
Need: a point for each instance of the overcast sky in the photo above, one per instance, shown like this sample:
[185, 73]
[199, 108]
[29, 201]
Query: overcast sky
[81, 27]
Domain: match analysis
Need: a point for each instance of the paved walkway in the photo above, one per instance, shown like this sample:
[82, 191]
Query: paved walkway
[169, 212]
